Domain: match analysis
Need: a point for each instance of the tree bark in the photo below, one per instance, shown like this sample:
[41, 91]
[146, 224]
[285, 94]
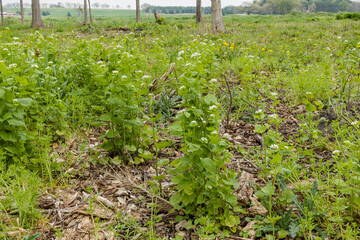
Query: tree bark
[217, 18]
[2, 13]
[22, 12]
[90, 15]
[137, 10]
[36, 14]
[85, 13]
[198, 11]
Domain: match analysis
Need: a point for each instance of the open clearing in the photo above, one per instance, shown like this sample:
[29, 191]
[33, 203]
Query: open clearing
[170, 132]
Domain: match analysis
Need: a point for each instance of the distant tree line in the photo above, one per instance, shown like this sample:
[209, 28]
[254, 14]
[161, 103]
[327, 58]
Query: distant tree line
[191, 10]
[310, 6]
[266, 7]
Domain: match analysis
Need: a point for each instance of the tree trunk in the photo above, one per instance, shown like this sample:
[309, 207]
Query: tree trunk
[217, 18]
[85, 13]
[2, 13]
[137, 10]
[22, 12]
[36, 14]
[198, 11]
[90, 15]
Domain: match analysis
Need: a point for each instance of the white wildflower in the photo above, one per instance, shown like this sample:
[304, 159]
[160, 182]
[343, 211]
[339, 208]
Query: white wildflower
[336, 152]
[258, 111]
[273, 94]
[15, 100]
[181, 53]
[355, 123]
[213, 80]
[115, 72]
[124, 76]
[14, 65]
[182, 87]
[226, 135]
[204, 139]
[274, 147]
[193, 124]
[274, 116]
[212, 107]
[195, 55]
[214, 132]
[212, 115]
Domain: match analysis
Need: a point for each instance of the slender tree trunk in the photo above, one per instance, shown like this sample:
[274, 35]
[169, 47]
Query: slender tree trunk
[2, 13]
[137, 10]
[22, 12]
[90, 15]
[198, 11]
[36, 14]
[85, 13]
[217, 18]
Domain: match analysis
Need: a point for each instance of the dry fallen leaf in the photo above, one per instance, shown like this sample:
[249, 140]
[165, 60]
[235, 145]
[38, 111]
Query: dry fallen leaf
[248, 228]
[245, 191]
[257, 208]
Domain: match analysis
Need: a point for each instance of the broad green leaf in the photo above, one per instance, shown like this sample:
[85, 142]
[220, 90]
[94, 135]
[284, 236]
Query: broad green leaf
[163, 162]
[232, 220]
[193, 147]
[309, 106]
[161, 145]
[7, 136]
[130, 148]
[25, 102]
[287, 196]
[175, 199]
[259, 128]
[176, 129]
[16, 123]
[282, 234]
[2, 93]
[210, 99]
[276, 159]
[208, 164]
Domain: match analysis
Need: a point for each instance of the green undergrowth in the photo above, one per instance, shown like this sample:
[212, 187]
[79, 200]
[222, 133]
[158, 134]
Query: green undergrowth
[67, 77]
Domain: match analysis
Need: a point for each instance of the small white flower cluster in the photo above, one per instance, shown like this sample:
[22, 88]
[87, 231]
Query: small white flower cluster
[258, 111]
[336, 152]
[273, 116]
[213, 80]
[195, 55]
[355, 123]
[145, 77]
[212, 107]
[204, 140]
[274, 147]
[273, 94]
[193, 124]
[181, 53]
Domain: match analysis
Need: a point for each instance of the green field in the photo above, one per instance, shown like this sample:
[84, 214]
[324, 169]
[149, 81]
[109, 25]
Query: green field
[171, 132]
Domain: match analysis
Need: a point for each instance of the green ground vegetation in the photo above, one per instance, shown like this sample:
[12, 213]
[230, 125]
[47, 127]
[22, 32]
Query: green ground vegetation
[67, 77]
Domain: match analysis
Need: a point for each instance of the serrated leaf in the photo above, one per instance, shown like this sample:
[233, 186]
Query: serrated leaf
[176, 129]
[163, 162]
[16, 123]
[210, 99]
[208, 164]
[232, 221]
[175, 199]
[287, 196]
[193, 147]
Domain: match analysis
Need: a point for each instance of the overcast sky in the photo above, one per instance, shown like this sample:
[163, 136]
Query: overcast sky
[124, 3]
